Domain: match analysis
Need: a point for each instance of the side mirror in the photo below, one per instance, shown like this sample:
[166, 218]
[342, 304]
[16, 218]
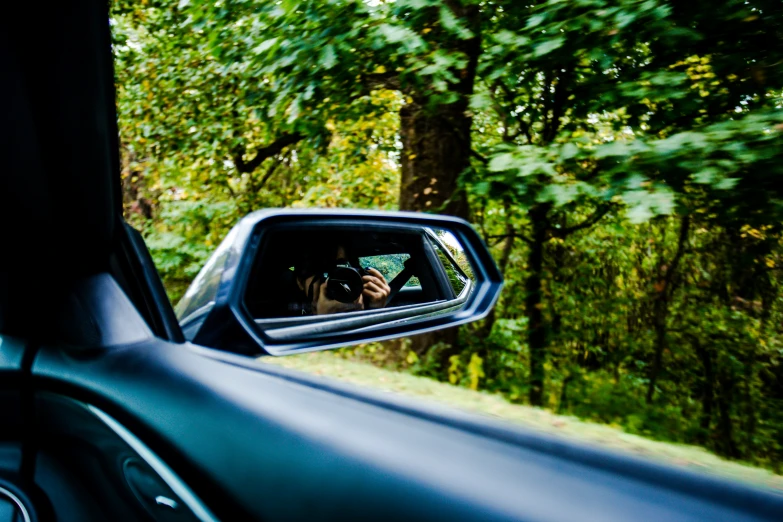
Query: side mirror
[288, 281]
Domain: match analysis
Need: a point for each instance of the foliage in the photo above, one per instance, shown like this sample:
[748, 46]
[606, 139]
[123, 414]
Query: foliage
[198, 151]
[621, 159]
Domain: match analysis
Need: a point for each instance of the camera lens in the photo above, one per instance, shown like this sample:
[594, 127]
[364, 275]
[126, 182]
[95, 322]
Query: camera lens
[344, 284]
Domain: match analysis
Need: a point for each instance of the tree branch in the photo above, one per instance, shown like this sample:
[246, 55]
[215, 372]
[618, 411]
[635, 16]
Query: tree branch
[524, 126]
[517, 235]
[271, 170]
[389, 81]
[273, 149]
[594, 218]
[558, 105]
[682, 241]
[230, 190]
[479, 156]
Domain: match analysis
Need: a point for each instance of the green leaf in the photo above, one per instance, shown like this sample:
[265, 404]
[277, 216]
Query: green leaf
[415, 4]
[635, 181]
[502, 162]
[535, 20]
[614, 148]
[548, 46]
[727, 183]
[510, 39]
[558, 194]
[328, 57]
[482, 189]
[393, 34]
[625, 18]
[453, 24]
[290, 5]
[568, 151]
[265, 46]
[706, 176]
[480, 101]
[639, 213]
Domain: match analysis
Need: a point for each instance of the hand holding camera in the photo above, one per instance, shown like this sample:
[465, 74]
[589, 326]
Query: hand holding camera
[346, 289]
[375, 289]
[323, 303]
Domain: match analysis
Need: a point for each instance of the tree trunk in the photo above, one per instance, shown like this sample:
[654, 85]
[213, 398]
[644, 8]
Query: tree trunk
[661, 306]
[749, 416]
[708, 392]
[727, 446]
[436, 151]
[562, 405]
[537, 331]
[505, 257]
[558, 257]
[660, 313]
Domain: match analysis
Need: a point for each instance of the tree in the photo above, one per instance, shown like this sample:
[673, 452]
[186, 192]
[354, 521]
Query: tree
[579, 85]
[198, 151]
[323, 59]
[622, 162]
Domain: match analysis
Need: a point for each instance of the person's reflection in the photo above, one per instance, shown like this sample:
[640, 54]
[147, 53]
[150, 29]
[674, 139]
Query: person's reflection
[313, 296]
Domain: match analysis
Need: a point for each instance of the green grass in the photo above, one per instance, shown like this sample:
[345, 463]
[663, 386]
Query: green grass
[329, 365]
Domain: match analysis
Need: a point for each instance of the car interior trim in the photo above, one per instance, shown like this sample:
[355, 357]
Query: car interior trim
[368, 319]
[197, 314]
[281, 322]
[764, 502]
[17, 502]
[166, 474]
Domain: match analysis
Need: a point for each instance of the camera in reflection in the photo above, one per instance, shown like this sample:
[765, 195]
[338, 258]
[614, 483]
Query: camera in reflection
[344, 282]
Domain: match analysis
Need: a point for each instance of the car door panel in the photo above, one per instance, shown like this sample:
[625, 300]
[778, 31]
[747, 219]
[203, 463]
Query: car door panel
[280, 446]
[91, 471]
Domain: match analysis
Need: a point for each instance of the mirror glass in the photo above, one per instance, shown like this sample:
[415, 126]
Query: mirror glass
[326, 279]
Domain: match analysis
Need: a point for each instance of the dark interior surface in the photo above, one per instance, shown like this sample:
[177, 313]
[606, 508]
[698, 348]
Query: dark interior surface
[59, 167]
[90, 474]
[272, 283]
[272, 444]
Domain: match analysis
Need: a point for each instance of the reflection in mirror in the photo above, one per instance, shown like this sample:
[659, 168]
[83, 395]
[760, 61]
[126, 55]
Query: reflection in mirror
[323, 279]
[452, 257]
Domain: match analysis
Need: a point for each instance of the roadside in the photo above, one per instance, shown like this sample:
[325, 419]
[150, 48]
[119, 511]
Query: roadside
[692, 457]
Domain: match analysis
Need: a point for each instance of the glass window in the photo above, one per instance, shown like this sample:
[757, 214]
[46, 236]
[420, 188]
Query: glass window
[456, 277]
[204, 288]
[390, 265]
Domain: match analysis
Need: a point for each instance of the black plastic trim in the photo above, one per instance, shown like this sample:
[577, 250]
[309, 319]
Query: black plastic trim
[140, 280]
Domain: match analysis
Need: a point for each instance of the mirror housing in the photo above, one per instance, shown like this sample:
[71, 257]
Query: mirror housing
[438, 271]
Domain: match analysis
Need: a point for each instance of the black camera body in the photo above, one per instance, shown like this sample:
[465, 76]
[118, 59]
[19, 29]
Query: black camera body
[344, 282]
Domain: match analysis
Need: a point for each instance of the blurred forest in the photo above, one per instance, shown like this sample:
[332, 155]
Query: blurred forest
[623, 160]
